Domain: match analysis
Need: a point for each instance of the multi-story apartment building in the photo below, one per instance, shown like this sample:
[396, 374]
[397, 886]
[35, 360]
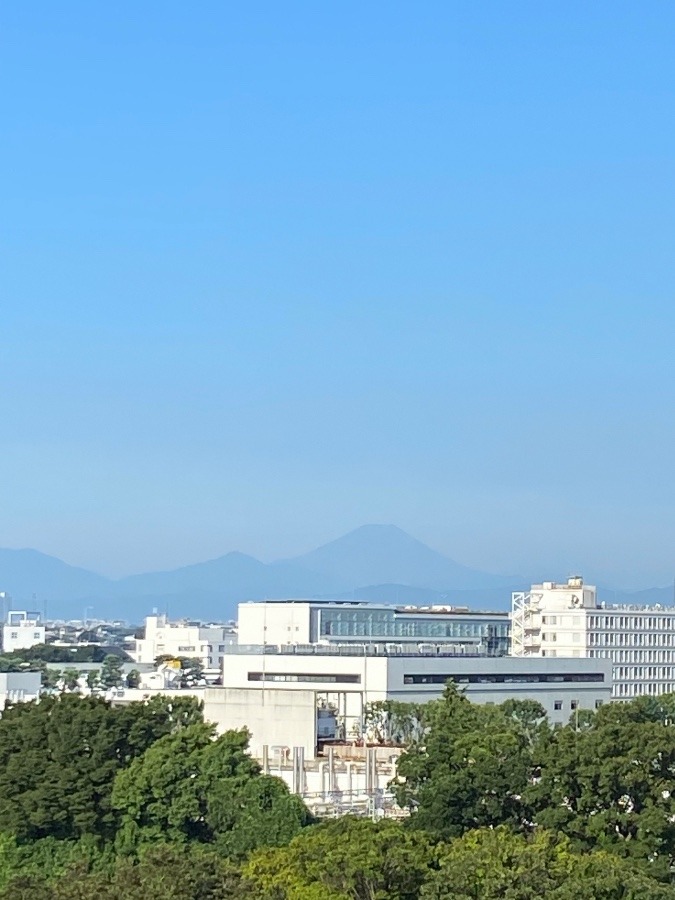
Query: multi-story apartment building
[193, 640]
[558, 620]
[22, 630]
[344, 622]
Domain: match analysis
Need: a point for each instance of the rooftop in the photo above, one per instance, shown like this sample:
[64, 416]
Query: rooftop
[437, 610]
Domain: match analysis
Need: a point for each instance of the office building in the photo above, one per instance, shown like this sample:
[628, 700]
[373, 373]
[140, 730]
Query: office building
[565, 620]
[346, 679]
[344, 622]
[207, 643]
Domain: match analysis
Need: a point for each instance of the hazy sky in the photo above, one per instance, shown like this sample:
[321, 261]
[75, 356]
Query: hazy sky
[270, 271]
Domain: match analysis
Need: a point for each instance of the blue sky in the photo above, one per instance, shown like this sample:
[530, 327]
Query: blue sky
[272, 271]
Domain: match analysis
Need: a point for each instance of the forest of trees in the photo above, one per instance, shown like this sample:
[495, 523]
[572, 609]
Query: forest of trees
[144, 801]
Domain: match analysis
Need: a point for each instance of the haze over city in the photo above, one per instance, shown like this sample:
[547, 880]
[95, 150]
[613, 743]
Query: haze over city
[273, 273]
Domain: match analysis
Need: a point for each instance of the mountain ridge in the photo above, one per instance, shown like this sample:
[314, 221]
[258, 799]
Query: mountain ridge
[373, 563]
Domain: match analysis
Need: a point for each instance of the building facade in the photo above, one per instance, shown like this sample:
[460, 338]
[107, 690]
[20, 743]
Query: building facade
[565, 620]
[346, 679]
[22, 631]
[207, 643]
[344, 622]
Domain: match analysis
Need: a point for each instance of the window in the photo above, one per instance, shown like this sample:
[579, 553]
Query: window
[598, 704]
[304, 676]
[501, 678]
[36, 635]
[15, 634]
[574, 704]
[221, 647]
[557, 704]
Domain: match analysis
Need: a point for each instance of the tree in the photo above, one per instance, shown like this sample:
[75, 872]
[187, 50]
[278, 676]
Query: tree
[111, 671]
[50, 677]
[194, 787]
[494, 864]
[391, 721]
[133, 678]
[163, 873]
[191, 671]
[70, 679]
[93, 678]
[609, 785]
[347, 859]
[471, 770]
[59, 758]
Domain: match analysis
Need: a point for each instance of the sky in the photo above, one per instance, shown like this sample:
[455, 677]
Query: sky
[272, 271]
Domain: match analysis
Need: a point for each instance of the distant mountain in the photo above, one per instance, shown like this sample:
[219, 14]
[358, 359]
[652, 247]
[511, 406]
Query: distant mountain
[378, 554]
[376, 563]
[649, 596]
[24, 573]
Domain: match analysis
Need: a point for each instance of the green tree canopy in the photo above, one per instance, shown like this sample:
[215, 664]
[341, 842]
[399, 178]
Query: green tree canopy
[610, 785]
[492, 864]
[59, 758]
[191, 786]
[471, 770]
[111, 671]
[348, 859]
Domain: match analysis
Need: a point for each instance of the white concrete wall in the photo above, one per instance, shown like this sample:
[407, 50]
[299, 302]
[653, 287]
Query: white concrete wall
[381, 678]
[276, 718]
[367, 673]
[273, 623]
[22, 636]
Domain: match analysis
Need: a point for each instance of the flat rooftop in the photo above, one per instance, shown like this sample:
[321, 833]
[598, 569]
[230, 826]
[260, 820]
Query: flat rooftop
[413, 610]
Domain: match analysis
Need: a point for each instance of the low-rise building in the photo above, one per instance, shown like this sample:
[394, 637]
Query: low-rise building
[347, 679]
[22, 630]
[207, 643]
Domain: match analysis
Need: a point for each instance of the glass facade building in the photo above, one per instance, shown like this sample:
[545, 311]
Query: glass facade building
[487, 633]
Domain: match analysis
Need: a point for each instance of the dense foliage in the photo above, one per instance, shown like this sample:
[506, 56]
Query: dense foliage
[51, 654]
[144, 801]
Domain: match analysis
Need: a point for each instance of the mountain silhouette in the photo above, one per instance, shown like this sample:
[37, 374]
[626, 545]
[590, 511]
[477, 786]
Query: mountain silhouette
[31, 578]
[376, 563]
[380, 554]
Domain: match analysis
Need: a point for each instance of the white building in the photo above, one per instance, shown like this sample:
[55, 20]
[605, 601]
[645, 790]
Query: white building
[345, 679]
[207, 643]
[565, 620]
[346, 621]
[22, 630]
